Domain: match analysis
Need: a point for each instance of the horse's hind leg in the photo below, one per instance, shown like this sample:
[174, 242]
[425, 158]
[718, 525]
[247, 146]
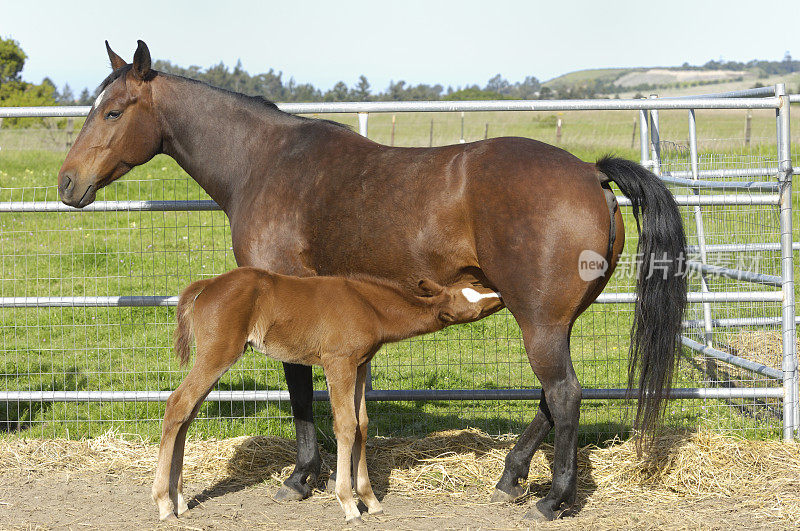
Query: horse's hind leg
[518, 460]
[548, 353]
[182, 406]
[360, 473]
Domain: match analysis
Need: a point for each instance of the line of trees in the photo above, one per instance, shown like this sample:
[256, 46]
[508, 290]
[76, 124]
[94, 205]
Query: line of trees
[271, 84]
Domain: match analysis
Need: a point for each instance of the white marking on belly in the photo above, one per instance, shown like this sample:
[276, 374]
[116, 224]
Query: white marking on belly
[99, 100]
[473, 296]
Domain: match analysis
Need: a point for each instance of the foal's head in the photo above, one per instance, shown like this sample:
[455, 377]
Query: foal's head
[462, 303]
[121, 131]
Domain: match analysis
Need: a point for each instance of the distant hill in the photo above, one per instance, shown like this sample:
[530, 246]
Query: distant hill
[627, 82]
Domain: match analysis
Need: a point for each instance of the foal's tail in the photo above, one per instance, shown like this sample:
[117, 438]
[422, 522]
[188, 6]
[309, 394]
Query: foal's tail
[660, 289]
[184, 334]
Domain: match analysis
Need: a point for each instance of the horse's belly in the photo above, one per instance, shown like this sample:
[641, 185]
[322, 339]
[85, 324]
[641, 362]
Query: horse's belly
[283, 353]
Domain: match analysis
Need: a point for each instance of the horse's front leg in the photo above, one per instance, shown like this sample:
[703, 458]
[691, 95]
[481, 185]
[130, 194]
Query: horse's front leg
[306, 470]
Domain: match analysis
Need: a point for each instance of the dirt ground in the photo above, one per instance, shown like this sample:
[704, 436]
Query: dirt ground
[696, 480]
[92, 500]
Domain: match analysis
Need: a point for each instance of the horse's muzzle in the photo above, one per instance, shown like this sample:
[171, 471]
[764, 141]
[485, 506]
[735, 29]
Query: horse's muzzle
[71, 195]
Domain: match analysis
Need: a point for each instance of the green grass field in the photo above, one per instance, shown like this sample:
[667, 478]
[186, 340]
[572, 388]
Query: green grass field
[158, 253]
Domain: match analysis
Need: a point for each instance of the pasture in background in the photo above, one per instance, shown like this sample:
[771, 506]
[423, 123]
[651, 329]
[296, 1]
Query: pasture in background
[158, 253]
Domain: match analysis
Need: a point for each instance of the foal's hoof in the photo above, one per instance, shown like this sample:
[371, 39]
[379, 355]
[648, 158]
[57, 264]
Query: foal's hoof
[539, 513]
[355, 521]
[505, 497]
[286, 493]
[169, 517]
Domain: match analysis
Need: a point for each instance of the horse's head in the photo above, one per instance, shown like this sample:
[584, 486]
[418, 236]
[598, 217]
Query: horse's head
[121, 131]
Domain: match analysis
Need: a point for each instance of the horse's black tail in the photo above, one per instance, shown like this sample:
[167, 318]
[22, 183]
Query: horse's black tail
[660, 289]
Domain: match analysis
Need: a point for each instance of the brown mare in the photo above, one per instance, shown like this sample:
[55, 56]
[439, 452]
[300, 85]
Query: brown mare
[337, 322]
[306, 197]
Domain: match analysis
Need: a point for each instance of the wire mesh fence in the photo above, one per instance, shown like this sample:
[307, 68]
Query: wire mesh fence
[61, 254]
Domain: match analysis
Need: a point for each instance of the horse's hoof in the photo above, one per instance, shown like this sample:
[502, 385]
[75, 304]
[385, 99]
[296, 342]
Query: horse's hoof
[286, 493]
[505, 497]
[539, 513]
[354, 521]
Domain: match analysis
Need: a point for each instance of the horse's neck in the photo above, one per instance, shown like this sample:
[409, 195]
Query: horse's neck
[202, 137]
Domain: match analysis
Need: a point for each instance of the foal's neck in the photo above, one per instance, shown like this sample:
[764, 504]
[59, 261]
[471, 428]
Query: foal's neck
[215, 148]
[400, 313]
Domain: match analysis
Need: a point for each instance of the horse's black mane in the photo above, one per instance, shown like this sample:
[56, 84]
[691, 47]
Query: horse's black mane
[260, 100]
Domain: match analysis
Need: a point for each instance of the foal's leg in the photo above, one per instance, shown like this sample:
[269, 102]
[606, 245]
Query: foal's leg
[360, 473]
[341, 376]
[182, 406]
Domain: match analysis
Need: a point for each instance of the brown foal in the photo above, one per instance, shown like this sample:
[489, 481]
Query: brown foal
[337, 322]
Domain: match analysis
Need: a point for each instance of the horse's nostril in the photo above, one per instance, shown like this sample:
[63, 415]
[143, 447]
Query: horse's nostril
[66, 183]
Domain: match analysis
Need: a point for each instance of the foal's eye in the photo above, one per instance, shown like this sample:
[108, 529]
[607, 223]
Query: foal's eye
[111, 115]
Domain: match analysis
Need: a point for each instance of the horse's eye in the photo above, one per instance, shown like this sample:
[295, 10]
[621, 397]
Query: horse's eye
[111, 115]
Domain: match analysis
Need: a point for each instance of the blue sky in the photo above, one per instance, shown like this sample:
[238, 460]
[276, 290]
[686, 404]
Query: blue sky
[453, 43]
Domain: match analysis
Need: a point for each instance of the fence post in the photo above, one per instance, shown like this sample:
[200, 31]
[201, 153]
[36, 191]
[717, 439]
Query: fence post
[655, 139]
[644, 153]
[701, 235]
[363, 118]
[789, 365]
[748, 118]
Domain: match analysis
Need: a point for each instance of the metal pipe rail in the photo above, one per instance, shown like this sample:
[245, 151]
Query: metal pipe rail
[691, 102]
[725, 173]
[736, 322]
[112, 206]
[758, 368]
[384, 395]
[735, 274]
[209, 205]
[741, 247]
[721, 185]
[746, 93]
[140, 301]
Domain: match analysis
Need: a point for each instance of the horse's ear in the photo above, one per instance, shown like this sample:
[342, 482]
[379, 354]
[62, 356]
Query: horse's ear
[116, 60]
[141, 61]
[429, 287]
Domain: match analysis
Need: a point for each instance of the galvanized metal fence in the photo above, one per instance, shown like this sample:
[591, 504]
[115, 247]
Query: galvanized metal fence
[86, 299]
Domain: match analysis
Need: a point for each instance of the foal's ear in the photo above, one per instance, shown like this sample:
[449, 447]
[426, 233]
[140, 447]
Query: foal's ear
[141, 61]
[429, 287]
[116, 61]
[447, 317]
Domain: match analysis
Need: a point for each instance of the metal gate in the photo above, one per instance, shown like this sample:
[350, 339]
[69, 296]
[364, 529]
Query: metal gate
[86, 301]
